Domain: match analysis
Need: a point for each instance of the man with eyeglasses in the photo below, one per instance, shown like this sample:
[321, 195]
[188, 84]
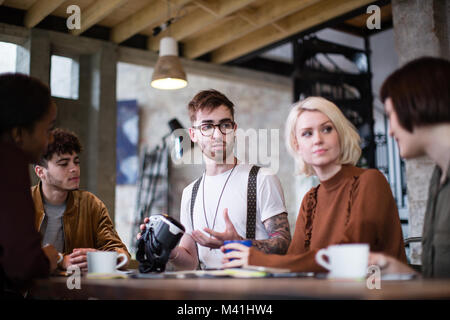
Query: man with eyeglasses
[231, 200]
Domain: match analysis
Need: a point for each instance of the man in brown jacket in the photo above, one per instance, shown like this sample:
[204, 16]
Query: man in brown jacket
[72, 220]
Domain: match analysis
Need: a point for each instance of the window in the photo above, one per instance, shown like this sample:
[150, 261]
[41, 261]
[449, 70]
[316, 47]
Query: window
[64, 77]
[8, 57]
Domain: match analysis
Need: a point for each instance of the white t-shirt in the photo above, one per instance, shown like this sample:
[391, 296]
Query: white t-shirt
[270, 202]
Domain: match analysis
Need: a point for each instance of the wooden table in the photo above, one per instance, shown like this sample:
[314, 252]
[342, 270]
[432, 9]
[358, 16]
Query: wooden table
[237, 289]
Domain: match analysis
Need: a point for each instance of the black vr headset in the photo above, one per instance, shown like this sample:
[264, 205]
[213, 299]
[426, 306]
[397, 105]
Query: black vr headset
[160, 236]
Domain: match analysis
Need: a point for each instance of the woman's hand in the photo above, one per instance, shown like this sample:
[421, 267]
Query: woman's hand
[52, 256]
[388, 265]
[239, 255]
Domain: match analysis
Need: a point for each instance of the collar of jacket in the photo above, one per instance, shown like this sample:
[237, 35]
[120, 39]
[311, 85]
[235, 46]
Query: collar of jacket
[36, 191]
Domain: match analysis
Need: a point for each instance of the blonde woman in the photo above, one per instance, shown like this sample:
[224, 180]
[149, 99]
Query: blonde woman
[350, 205]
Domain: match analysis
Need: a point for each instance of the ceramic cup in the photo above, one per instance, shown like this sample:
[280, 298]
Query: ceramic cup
[105, 261]
[345, 261]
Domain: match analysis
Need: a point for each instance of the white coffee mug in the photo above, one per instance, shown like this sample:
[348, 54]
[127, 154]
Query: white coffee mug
[105, 261]
[345, 261]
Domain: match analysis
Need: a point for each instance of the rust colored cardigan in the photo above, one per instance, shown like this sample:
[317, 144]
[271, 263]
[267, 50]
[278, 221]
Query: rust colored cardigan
[354, 206]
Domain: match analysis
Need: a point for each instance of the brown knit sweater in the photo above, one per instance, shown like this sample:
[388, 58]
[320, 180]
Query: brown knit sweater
[354, 206]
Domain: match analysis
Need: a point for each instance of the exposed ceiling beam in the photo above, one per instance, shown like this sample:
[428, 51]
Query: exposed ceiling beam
[209, 6]
[245, 15]
[154, 12]
[237, 27]
[39, 10]
[297, 22]
[96, 12]
[210, 12]
[277, 26]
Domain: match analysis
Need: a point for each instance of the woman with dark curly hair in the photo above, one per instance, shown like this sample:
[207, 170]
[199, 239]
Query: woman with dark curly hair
[27, 115]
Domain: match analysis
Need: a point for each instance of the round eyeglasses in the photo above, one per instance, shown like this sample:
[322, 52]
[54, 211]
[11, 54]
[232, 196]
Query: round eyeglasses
[207, 129]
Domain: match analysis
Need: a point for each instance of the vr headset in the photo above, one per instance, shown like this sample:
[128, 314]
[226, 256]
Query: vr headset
[162, 233]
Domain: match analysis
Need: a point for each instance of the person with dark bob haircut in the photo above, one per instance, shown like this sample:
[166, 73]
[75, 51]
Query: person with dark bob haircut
[27, 115]
[417, 103]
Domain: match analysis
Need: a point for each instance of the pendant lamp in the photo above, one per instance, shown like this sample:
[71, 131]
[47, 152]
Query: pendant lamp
[168, 73]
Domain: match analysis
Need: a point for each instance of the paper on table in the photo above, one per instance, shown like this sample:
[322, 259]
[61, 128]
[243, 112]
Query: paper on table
[268, 269]
[195, 274]
[246, 273]
[398, 276]
[253, 272]
[233, 272]
[114, 275]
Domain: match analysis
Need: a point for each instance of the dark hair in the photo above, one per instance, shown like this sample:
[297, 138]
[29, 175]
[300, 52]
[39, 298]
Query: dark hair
[208, 99]
[420, 92]
[24, 100]
[63, 142]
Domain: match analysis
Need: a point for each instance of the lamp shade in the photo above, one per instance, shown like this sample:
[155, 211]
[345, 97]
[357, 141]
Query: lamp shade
[168, 73]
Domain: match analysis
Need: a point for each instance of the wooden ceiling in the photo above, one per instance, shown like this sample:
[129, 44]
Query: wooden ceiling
[221, 30]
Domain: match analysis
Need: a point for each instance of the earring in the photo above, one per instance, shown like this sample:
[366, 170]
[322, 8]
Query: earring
[295, 143]
[16, 136]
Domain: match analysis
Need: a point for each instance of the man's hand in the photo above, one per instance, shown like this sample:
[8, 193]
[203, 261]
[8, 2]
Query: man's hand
[142, 227]
[78, 257]
[216, 239]
[52, 255]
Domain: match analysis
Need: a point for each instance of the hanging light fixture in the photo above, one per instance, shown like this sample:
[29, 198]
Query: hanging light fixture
[168, 73]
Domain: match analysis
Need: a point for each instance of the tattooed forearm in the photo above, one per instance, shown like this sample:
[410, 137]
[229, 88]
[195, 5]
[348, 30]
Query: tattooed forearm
[279, 235]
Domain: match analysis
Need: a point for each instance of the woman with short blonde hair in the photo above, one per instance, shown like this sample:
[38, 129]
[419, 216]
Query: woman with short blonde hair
[348, 136]
[350, 205]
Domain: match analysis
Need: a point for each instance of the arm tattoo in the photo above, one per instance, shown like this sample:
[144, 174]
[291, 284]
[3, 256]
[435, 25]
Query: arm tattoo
[279, 235]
